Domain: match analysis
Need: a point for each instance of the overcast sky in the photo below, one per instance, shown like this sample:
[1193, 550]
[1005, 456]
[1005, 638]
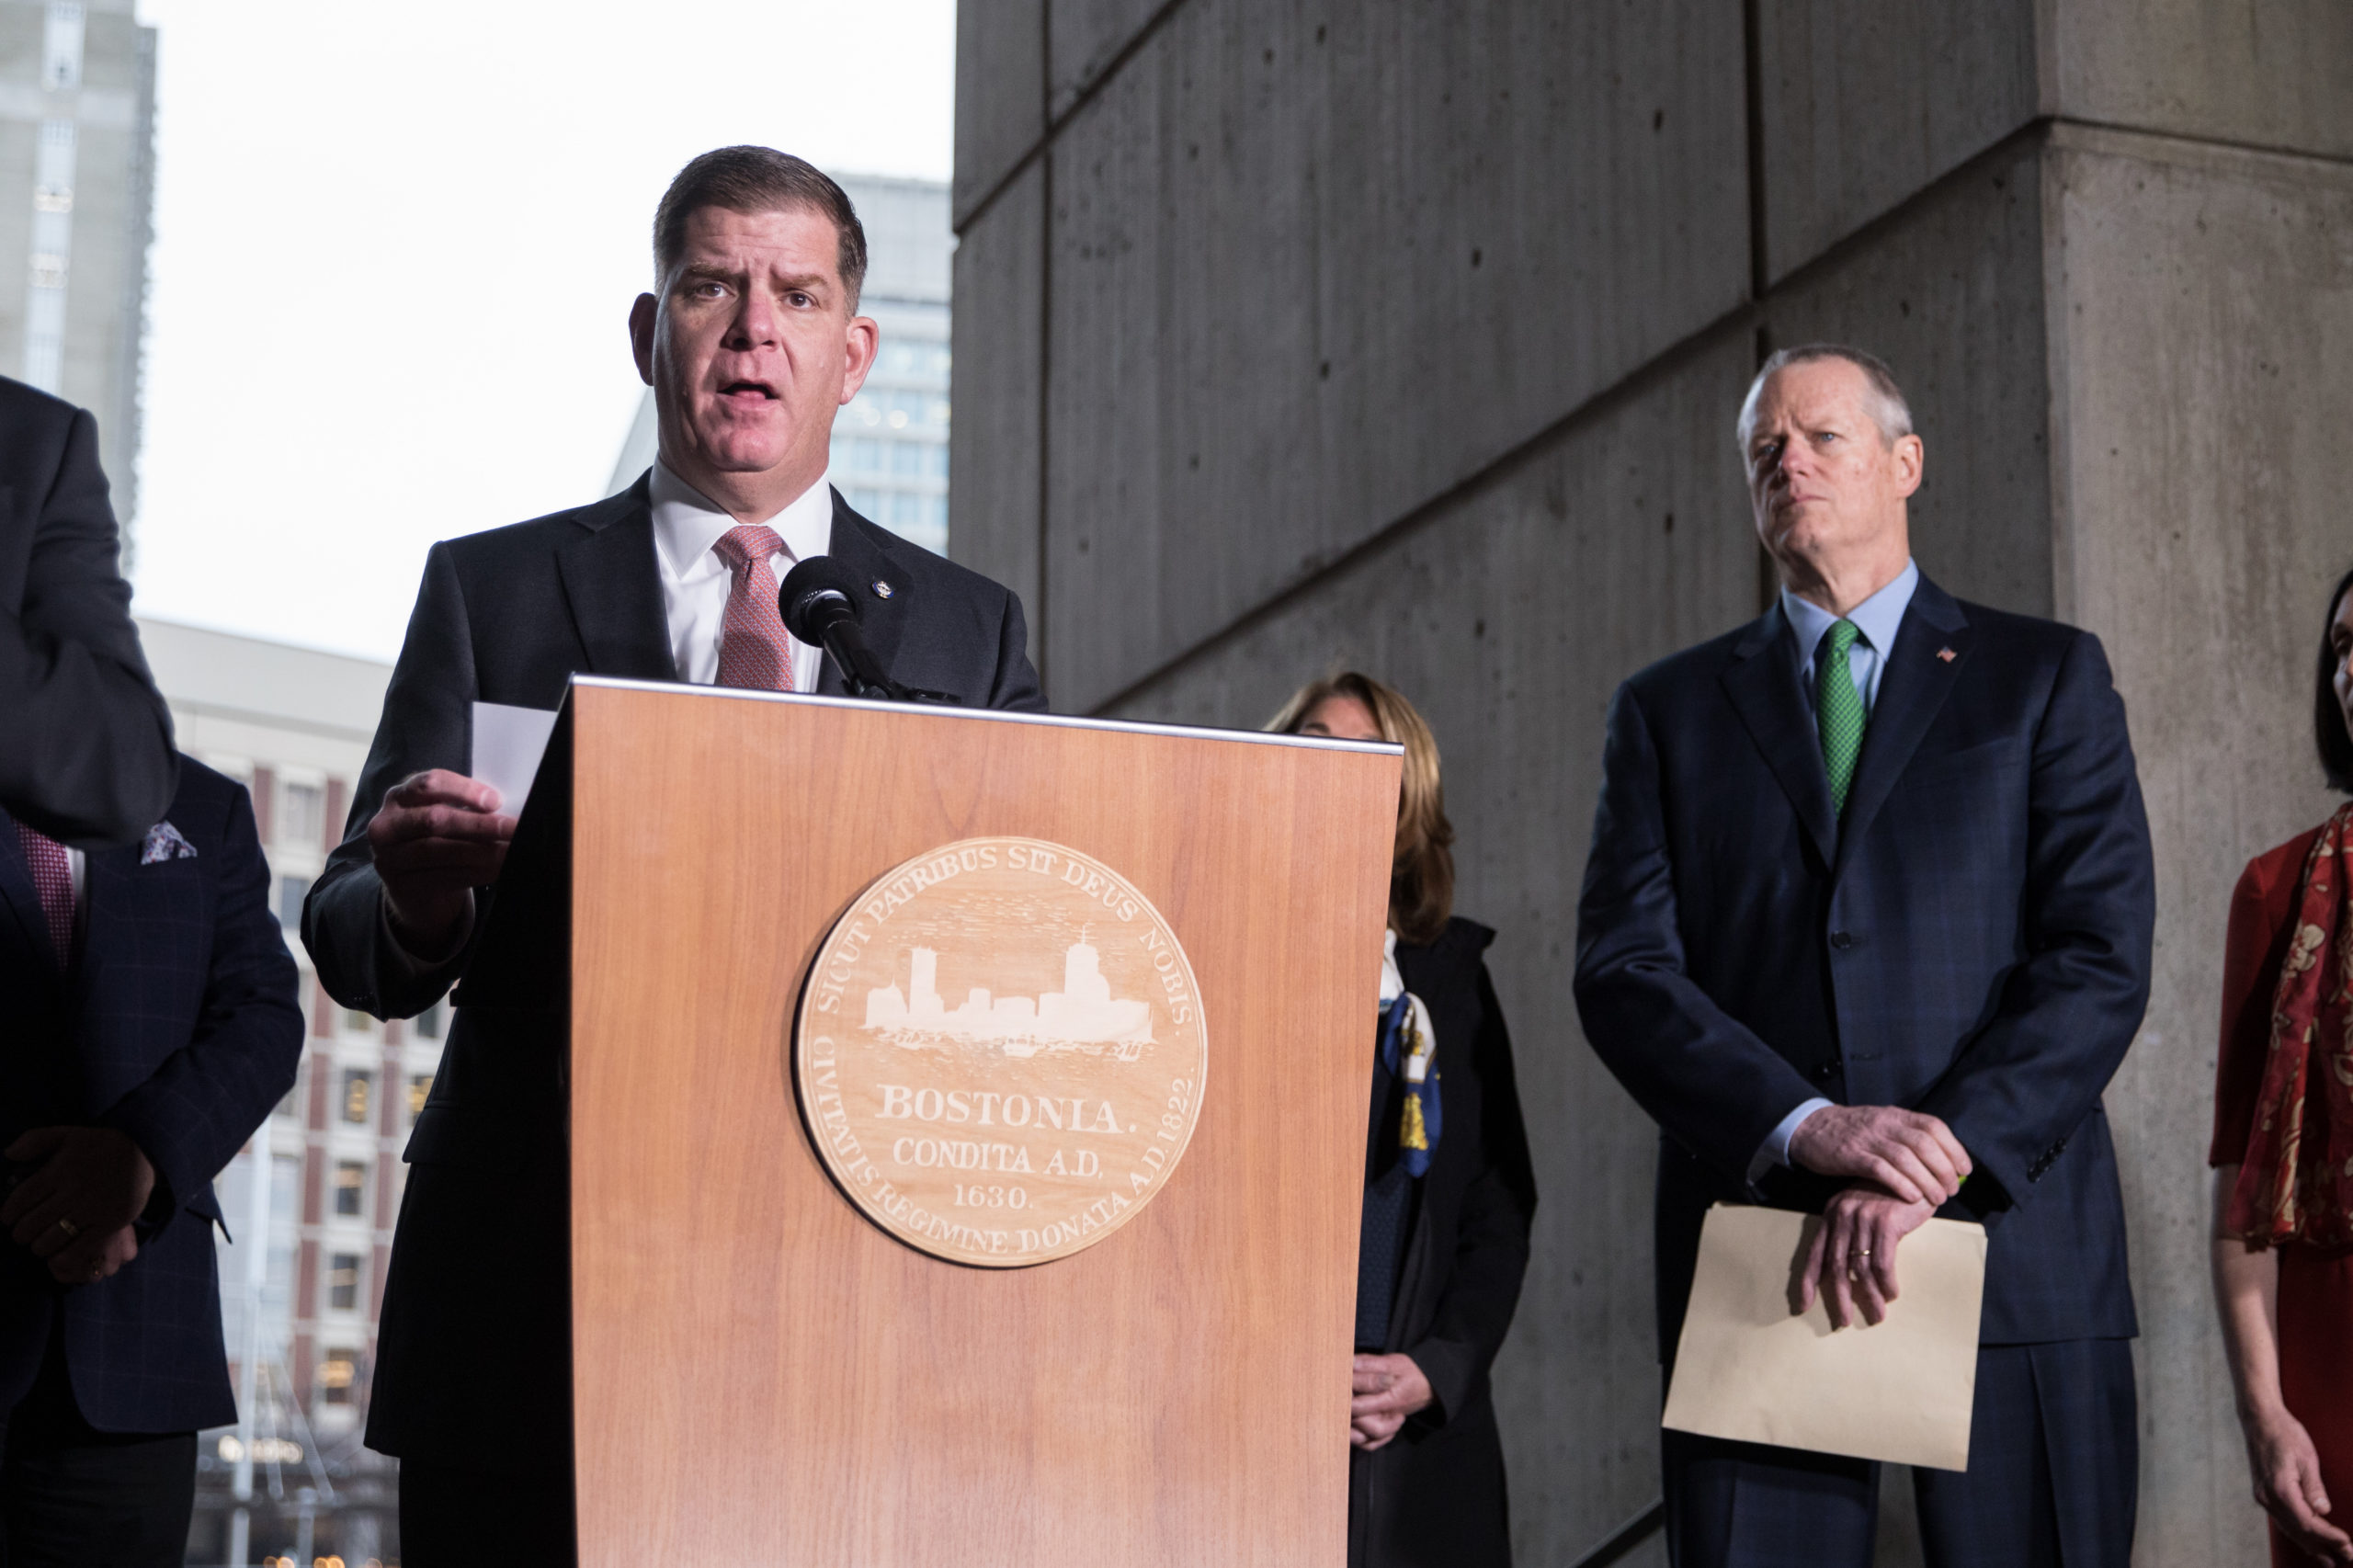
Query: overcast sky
[396, 248]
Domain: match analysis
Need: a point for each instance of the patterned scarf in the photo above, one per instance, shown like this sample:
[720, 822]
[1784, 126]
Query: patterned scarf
[2297, 1183]
[1408, 1045]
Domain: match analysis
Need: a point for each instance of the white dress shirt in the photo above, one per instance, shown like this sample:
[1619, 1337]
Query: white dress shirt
[695, 581]
[1877, 619]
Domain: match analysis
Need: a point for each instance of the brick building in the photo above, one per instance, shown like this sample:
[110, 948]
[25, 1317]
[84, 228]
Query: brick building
[294, 725]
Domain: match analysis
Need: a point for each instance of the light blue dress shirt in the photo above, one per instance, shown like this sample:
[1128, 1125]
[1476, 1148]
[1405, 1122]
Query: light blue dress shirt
[1876, 619]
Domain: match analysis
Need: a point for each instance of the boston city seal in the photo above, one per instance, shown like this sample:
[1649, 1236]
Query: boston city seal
[1000, 1052]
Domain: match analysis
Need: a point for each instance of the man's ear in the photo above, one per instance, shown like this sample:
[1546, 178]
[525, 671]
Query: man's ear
[642, 317]
[863, 342]
[1909, 454]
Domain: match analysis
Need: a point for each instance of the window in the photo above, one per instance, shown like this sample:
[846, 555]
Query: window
[350, 1187]
[428, 1022]
[291, 892]
[340, 1371]
[61, 47]
[306, 815]
[355, 1085]
[343, 1282]
[420, 1085]
[356, 1021]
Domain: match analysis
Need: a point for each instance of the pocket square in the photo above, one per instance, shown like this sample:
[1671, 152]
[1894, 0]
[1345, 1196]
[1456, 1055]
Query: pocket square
[164, 843]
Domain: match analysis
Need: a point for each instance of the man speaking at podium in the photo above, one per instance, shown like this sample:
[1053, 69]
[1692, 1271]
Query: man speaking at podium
[751, 342]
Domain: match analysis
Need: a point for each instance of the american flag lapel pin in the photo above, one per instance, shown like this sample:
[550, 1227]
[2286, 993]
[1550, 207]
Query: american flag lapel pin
[1947, 655]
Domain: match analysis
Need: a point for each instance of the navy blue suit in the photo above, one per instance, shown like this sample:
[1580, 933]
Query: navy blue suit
[1971, 939]
[178, 1025]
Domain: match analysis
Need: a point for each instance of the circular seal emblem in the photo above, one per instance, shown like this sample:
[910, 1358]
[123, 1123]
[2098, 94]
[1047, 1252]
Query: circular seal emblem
[1000, 1052]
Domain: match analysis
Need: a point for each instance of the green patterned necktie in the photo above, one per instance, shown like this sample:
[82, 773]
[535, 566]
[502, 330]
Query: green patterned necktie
[1838, 709]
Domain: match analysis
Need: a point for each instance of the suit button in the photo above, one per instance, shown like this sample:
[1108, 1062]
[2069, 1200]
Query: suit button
[1842, 940]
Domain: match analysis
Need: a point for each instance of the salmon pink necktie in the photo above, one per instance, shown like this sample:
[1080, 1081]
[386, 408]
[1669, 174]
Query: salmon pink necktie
[754, 653]
[53, 880]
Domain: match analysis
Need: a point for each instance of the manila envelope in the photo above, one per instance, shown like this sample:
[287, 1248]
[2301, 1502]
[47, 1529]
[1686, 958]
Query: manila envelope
[1748, 1369]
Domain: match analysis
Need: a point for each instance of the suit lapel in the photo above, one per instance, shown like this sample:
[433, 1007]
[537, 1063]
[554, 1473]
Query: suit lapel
[1912, 690]
[1762, 682]
[106, 896]
[22, 902]
[613, 583]
[860, 546]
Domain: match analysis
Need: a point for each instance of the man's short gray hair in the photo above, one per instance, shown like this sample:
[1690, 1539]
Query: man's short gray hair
[1886, 402]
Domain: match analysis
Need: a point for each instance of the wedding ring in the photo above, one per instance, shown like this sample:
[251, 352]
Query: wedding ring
[69, 1227]
[1864, 1252]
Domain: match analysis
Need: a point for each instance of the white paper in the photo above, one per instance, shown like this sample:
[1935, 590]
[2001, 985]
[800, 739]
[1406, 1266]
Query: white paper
[509, 743]
[1750, 1370]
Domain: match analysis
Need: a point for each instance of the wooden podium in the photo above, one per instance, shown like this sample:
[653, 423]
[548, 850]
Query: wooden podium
[761, 1374]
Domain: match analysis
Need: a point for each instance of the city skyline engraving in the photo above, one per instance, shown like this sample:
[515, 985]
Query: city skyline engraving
[1000, 1052]
[1082, 1015]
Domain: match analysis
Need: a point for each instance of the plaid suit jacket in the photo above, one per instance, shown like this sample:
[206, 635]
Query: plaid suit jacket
[1973, 939]
[180, 1024]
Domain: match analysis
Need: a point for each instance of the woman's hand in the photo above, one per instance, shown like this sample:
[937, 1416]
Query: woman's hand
[1389, 1388]
[2287, 1483]
[2280, 1453]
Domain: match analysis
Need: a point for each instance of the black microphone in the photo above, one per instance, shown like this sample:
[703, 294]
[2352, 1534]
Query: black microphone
[819, 603]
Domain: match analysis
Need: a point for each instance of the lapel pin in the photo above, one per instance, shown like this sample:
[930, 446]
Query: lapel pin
[882, 590]
[1947, 655]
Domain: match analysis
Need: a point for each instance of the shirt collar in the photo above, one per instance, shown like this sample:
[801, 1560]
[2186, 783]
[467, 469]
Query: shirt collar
[1877, 618]
[686, 524]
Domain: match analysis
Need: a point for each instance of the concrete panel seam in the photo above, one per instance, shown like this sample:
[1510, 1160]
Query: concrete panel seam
[1760, 277]
[1078, 106]
[2025, 138]
[1742, 319]
[2077, 135]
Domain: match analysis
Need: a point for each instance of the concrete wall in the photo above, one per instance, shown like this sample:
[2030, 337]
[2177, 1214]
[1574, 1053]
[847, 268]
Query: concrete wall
[1410, 336]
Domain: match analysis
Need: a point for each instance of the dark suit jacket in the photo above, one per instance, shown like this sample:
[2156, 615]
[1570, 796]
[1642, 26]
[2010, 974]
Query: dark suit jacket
[1972, 940]
[1435, 1494]
[180, 1024]
[473, 1361]
[85, 752]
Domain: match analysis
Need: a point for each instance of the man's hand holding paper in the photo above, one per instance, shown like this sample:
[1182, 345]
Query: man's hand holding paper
[1750, 1370]
[1904, 1163]
[1850, 1263]
[438, 836]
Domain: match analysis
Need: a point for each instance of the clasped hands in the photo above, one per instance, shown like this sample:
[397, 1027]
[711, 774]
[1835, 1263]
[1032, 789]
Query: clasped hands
[1385, 1390]
[1903, 1164]
[74, 1210]
[438, 836]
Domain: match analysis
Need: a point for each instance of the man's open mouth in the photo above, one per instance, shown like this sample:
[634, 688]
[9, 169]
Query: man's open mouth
[748, 389]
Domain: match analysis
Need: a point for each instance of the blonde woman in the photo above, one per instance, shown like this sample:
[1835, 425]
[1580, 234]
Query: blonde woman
[1449, 1193]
